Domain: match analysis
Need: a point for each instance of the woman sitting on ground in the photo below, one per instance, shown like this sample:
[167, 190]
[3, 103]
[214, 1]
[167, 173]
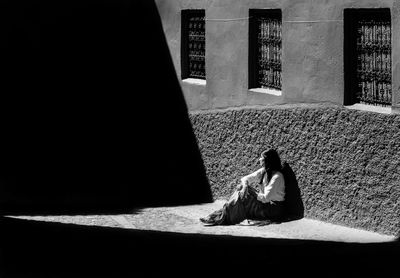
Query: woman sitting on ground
[263, 203]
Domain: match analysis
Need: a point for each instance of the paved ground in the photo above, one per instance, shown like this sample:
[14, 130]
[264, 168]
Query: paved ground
[184, 219]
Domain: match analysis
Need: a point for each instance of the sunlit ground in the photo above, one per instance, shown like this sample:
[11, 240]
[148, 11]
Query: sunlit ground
[185, 219]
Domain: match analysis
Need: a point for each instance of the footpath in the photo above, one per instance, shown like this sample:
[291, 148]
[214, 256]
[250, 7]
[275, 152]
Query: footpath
[185, 219]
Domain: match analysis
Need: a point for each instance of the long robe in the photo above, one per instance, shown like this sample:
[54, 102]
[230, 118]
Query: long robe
[244, 205]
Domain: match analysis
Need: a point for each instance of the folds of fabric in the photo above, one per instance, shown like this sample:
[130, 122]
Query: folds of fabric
[244, 205]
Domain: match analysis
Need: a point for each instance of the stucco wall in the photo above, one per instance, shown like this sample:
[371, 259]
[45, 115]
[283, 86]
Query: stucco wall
[347, 162]
[312, 44]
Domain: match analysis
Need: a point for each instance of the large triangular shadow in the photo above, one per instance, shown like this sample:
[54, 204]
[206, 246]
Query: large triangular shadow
[96, 120]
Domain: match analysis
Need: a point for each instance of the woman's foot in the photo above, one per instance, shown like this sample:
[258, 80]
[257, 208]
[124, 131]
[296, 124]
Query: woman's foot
[207, 221]
[215, 218]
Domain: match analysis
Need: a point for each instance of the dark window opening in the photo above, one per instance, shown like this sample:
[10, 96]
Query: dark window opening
[265, 49]
[193, 47]
[367, 57]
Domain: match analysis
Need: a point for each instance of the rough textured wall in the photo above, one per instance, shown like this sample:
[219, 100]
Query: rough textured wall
[347, 162]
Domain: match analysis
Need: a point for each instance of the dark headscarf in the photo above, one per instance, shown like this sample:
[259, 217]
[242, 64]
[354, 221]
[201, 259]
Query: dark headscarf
[272, 162]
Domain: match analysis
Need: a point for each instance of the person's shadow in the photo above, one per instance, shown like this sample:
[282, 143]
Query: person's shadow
[293, 204]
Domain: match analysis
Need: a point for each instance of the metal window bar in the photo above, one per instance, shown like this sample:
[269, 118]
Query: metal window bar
[197, 46]
[374, 62]
[269, 52]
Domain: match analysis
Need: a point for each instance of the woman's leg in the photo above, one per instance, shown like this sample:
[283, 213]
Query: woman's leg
[274, 211]
[244, 205]
[267, 213]
[235, 210]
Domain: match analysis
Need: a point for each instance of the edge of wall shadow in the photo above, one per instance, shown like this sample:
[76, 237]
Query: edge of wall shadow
[93, 118]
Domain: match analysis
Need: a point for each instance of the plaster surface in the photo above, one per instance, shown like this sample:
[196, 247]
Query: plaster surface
[396, 55]
[312, 45]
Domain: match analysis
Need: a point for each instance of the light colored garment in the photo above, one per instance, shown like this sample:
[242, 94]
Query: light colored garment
[272, 191]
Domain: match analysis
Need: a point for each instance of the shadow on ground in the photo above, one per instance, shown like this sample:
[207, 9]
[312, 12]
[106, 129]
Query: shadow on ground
[40, 249]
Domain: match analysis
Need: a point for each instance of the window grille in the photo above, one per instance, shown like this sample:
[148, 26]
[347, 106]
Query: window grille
[367, 56]
[374, 62]
[267, 48]
[194, 44]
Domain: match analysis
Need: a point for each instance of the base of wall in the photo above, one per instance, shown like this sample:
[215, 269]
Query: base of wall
[395, 109]
[371, 108]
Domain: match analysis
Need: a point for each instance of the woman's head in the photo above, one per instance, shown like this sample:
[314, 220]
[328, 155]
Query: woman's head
[270, 160]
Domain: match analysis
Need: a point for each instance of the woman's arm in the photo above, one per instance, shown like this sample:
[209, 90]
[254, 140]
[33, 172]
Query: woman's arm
[255, 176]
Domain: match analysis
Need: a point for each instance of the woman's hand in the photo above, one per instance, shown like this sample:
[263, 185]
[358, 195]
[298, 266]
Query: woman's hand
[242, 185]
[260, 197]
[243, 193]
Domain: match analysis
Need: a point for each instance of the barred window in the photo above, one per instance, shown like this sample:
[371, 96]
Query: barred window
[369, 67]
[265, 49]
[193, 48]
